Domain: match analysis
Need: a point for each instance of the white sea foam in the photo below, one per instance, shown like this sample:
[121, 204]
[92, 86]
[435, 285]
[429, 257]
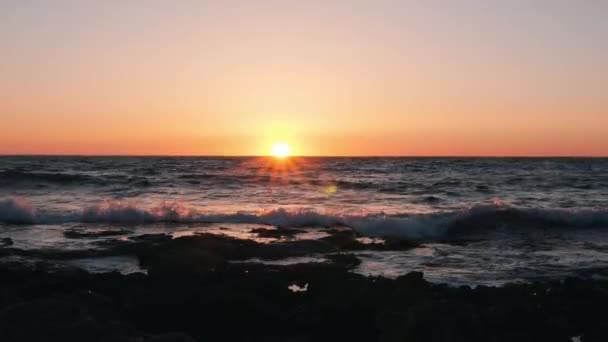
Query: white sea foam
[296, 288]
[418, 226]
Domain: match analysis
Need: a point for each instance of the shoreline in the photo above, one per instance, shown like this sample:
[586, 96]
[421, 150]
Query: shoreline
[291, 303]
[193, 292]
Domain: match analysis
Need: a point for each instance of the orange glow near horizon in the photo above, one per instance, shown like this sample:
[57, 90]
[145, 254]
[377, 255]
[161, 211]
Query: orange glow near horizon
[387, 78]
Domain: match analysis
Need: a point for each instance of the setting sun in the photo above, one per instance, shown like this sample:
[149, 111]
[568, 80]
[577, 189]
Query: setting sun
[280, 150]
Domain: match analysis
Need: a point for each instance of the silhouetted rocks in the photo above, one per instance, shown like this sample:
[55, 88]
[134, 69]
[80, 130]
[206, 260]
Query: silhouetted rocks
[277, 233]
[391, 244]
[344, 260]
[344, 239]
[80, 234]
[194, 291]
[243, 302]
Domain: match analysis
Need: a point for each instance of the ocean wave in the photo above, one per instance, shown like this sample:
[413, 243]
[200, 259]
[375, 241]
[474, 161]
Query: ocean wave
[17, 211]
[264, 179]
[8, 177]
[407, 226]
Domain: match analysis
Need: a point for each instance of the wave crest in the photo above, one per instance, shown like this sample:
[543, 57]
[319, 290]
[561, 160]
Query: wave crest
[120, 212]
[13, 210]
[408, 226]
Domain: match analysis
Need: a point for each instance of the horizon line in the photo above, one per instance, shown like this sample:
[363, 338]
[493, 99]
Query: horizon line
[292, 156]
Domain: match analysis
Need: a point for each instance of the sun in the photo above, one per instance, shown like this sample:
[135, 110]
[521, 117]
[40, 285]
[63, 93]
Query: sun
[280, 150]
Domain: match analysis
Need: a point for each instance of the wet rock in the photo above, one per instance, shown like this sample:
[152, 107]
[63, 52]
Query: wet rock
[194, 294]
[4, 242]
[413, 280]
[204, 253]
[72, 318]
[391, 244]
[80, 234]
[345, 240]
[345, 260]
[190, 254]
[50, 253]
[171, 337]
[277, 233]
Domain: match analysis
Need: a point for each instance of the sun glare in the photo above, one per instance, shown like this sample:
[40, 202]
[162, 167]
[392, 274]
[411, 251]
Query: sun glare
[280, 150]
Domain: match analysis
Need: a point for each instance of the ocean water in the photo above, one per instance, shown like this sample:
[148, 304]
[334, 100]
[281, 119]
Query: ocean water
[479, 220]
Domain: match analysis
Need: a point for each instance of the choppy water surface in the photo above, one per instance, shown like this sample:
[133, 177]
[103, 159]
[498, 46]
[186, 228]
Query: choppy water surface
[482, 221]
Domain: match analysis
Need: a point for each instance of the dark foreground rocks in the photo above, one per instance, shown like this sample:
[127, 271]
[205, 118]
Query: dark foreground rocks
[195, 292]
[255, 303]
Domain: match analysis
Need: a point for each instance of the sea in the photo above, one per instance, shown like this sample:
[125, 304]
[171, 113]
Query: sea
[477, 221]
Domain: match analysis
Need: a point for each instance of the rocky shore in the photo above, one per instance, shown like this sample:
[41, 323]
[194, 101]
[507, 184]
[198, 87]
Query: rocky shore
[195, 291]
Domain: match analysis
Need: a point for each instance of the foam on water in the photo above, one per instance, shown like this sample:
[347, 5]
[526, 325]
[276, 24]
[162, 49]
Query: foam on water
[524, 215]
[407, 226]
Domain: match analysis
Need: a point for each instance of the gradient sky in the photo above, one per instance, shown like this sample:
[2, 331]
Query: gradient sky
[328, 77]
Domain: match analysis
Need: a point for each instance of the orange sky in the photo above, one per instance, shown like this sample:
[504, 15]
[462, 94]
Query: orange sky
[327, 77]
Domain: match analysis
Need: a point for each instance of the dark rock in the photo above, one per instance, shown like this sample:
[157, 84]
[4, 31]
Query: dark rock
[345, 260]
[171, 337]
[232, 305]
[397, 244]
[277, 233]
[413, 280]
[193, 293]
[345, 240]
[79, 234]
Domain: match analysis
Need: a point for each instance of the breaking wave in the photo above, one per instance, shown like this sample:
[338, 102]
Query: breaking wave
[407, 226]
[16, 211]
